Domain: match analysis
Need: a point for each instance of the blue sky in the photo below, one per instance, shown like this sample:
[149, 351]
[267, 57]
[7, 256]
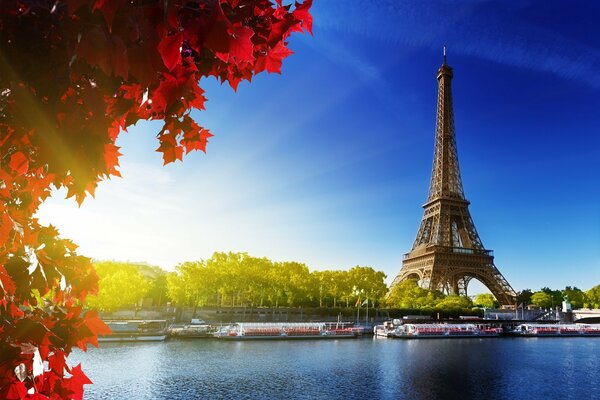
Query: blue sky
[329, 163]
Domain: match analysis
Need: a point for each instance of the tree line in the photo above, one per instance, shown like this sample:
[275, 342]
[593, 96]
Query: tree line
[549, 298]
[236, 280]
[240, 280]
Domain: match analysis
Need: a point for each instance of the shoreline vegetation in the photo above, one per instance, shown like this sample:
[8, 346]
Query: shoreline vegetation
[237, 280]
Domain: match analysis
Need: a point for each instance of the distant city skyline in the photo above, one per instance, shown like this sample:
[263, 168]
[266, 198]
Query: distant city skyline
[329, 163]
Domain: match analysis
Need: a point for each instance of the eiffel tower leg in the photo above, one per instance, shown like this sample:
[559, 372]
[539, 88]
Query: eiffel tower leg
[463, 283]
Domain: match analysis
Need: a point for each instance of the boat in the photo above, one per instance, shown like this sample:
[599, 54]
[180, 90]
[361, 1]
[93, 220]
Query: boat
[284, 330]
[194, 330]
[556, 330]
[135, 331]
[422, 331]
[387, 329]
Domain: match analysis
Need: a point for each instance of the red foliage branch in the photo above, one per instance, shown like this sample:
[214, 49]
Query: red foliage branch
[73, 75]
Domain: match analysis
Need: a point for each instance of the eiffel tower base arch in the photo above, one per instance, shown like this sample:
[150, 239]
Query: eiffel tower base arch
[450, 270]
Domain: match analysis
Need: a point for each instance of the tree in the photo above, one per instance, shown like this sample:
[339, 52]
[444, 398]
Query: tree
[158, 289]
[258, 271]
[542, 299]
[524, 296]
[120, 285]
[289, 282]
[592, 297]
[231, 279]
[486, 300]
[337, 285]
[454, 302]
[318, 286]
[368, 283]
[192, 284]
[408, 294]
[73, 75]
[575, 295]
[556, 296]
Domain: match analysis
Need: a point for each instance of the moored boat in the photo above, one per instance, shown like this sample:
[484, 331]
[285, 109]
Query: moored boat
[190, 331]
[556, 330]
[422, 331]
[287, 330]
[135, 331]
[387, 329]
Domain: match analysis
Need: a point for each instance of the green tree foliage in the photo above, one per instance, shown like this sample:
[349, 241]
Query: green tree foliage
[190, 284]
[238, 279]
[157, 278]
[367, 284]
[576, 296]
[454, 302]
[486, 300]
[542, 299]
[592, 297]
[408, 294]
[120, 285]
[319, 286]
[524, 296]
[338, 285]
[556, 296]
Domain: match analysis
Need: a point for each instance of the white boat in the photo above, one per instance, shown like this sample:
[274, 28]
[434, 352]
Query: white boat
[135, 331]
[422, 331]
[196, 329]
[283, 331]
[387, 329]
[556, 330]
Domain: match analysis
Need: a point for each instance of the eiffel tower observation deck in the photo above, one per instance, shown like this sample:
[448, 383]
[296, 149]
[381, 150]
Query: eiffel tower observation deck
[447, 252]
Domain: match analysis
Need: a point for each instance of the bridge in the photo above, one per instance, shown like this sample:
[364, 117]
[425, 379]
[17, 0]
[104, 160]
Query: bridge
[586, 313]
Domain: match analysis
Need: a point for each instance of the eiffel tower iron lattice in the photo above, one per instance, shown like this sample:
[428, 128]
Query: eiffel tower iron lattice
[447, 252]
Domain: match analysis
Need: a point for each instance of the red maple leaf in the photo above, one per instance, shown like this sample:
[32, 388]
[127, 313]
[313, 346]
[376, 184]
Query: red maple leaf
[57, 362]
[13, 391]
[170, 50]
[169, 147]
[240, 43]
[18, 163]
[275, 56]
[302, 13]
[76, 381]
[95, 324]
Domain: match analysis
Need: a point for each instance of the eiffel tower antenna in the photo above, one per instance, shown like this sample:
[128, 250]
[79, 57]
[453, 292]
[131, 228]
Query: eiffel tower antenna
[447, 252]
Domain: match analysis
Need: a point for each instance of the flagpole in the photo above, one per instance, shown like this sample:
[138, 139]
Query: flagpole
[367, 317]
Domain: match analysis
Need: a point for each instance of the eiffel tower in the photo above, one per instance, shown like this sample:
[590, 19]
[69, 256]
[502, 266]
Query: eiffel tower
[447, 252]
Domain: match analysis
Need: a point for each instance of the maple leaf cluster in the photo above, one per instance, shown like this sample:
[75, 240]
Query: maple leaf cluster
[74, 74]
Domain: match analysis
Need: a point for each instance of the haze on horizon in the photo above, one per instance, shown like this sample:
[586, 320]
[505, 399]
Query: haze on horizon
[329, 163]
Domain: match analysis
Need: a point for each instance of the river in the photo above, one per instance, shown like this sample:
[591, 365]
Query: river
[427, 369]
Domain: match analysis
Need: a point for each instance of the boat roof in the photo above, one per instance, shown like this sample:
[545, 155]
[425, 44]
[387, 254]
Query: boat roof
[132, 321]
[538, 325]
[280, 324]
[441, 326]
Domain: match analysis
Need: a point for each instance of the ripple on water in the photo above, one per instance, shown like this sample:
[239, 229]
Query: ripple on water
[566, 368]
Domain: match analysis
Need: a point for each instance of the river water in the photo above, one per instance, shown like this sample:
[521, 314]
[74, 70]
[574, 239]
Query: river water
[428, 369]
